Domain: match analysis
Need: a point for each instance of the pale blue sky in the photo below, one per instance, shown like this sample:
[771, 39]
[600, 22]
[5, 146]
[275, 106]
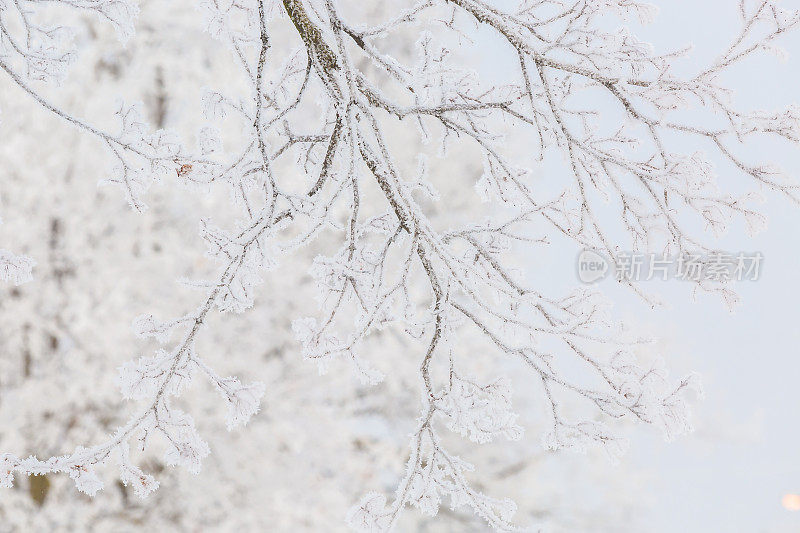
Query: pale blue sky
[731, 473]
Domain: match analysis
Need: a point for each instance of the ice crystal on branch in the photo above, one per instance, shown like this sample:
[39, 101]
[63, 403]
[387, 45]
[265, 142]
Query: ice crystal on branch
[316, 161]
[7, 467]
[480, 412]
[244, 400]
[143, 484]
[148, 326]
[369, 514]
[186, 447]
[85, 479]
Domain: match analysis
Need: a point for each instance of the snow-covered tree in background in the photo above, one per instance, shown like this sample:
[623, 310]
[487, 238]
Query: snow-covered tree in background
[311, 145]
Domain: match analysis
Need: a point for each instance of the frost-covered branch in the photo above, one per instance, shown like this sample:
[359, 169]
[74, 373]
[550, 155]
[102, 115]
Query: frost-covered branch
[317, 158]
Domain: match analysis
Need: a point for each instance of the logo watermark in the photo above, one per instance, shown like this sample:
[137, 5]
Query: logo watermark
[592, 266]
[716, 266]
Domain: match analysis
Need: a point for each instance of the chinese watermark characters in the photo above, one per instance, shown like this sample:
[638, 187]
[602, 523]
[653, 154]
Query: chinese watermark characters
[642, 266]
